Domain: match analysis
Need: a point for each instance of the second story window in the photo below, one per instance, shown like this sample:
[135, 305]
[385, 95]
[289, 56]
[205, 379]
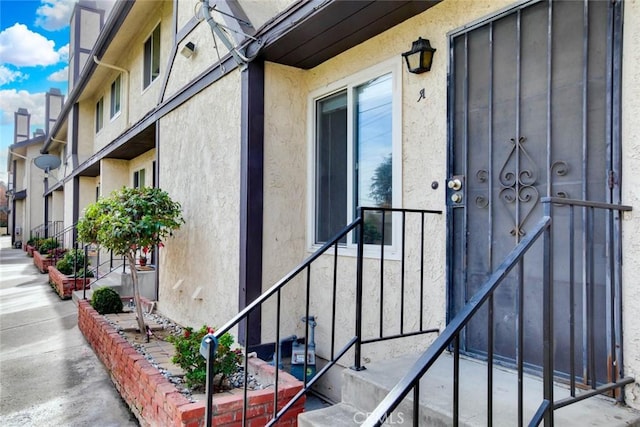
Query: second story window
[138, 178]
[115, 97]
[152, 57]
[99, 114]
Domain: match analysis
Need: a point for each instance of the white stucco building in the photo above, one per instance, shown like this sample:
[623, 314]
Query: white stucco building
[271, 148]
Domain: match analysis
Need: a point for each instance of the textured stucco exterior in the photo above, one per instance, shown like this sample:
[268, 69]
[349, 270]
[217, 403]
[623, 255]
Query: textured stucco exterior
[424, 147]
[114, 174]
[199, 164]
[200, 168]
[631, 195]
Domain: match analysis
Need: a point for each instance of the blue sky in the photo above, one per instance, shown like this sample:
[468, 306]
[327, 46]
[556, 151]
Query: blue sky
[34, 50]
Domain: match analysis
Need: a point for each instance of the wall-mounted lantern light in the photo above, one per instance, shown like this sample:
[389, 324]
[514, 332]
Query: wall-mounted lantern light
[420, 57]
[188, 50]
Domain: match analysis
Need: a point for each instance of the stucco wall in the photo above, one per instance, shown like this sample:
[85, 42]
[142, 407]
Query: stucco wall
[35, 190]
[424, 144]
[631, 194]
[143, 161]
[184, 69]
[114, 174]
[200, 168]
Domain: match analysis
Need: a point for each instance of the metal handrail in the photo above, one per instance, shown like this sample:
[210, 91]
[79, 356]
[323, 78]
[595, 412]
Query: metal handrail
[450, 337]
[355, 341]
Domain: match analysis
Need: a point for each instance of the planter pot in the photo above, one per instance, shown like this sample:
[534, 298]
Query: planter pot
[155, 401]
[42, 262]
[29, 250]
[65, 285]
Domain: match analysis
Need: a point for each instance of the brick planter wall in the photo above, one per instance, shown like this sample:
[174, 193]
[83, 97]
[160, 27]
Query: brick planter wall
[29, 250]
[42, 262]
[65, 285]
[156, 402]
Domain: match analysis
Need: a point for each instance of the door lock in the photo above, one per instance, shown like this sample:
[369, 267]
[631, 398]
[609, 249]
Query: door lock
[455, 191]
[454, 184]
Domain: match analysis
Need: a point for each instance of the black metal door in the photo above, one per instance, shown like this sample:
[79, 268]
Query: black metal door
[531, 113]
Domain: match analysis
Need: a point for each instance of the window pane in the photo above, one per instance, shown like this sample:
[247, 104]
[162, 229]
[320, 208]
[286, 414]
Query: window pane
[373, 145]
[155, 61]
[147, 63]
[99, 114]
[115, 97]
[331, 167]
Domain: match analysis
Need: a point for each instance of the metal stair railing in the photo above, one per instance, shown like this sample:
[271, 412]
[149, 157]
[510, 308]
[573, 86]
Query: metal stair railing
[450, 337]
[302, 273]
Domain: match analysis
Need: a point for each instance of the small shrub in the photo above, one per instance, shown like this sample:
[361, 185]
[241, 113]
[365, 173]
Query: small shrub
[65, 265]
[80, 274]
[105, 300]
[46, 245]
[195, 366]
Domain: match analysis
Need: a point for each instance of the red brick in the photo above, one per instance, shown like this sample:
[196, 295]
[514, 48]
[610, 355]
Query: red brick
[192, 411]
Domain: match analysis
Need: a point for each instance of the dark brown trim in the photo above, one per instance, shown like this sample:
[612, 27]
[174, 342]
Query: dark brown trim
[76, 206]
[251, 195]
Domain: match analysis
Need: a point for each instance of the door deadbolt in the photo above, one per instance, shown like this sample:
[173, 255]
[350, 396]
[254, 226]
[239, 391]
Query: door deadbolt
[454, 184]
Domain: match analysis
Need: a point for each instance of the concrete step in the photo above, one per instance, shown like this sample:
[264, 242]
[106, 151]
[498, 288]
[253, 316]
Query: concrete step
[340, 415]
[363, 390]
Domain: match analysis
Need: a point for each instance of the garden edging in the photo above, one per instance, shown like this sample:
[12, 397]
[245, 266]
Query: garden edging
[155, 401]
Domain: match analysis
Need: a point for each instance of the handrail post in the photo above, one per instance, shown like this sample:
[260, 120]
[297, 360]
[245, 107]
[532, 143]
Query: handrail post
[84, 272]
[357, 366]
[211, 346]
[547, 316]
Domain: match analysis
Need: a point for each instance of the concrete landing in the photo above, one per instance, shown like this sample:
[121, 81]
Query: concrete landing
[362, 391]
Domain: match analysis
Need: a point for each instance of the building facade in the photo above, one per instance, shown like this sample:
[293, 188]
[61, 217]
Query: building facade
[271, 122]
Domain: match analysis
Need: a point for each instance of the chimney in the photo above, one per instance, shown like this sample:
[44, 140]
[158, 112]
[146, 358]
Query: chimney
[52, 108]
[21, 125]
[86, 23]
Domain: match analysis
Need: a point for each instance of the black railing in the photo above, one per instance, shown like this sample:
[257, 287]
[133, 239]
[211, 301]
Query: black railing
[48, 229]
[66, 239]
[381, 233]
[450, 338]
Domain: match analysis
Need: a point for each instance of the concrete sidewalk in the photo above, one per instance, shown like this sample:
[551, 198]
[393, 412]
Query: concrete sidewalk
[49, 376]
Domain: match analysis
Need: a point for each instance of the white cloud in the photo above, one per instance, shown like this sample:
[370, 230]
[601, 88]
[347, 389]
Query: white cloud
[12, 99]
[22, 47]
[7, 75]
[54, 14]
[64, 53]
[60, 75]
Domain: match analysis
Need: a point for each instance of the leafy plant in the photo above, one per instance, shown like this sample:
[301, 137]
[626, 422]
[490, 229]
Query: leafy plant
[130, 218]
[105, 300]
[188, 357]
[47, 245]
[65, 265]
[80, 273]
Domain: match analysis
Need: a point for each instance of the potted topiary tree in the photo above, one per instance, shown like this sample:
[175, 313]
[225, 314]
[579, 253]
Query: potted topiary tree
[128, 219]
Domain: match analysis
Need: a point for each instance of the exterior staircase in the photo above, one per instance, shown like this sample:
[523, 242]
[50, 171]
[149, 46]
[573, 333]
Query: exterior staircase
[363, 390]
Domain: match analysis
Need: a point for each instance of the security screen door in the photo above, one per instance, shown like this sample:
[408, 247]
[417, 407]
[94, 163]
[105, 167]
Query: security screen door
[530, 111]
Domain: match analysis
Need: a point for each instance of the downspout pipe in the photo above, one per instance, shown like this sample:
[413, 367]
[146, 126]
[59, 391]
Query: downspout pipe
[126, 72]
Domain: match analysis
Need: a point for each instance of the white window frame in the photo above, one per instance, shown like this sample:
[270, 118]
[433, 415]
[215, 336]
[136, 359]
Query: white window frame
[149, 73]
[113, 113]
[394, 67]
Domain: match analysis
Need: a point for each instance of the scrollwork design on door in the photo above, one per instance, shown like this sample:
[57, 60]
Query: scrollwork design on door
[518, 178]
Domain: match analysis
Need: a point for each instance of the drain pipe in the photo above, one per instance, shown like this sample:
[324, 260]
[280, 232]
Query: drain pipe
[126, 72]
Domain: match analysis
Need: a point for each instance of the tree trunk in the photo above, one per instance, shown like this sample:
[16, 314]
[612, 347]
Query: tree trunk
[136, 291]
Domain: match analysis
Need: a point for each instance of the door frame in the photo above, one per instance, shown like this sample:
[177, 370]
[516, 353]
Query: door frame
[613, 143]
